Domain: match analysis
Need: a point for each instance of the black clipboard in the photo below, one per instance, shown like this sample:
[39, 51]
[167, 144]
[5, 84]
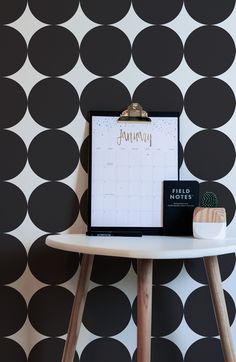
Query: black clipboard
[128, 162]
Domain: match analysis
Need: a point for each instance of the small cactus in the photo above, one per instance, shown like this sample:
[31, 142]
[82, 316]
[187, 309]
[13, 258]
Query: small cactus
[209, 199]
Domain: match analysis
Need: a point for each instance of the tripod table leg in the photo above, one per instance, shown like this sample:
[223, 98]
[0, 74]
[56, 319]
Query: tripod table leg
[78, 308]
[218, 300]
[144, 309]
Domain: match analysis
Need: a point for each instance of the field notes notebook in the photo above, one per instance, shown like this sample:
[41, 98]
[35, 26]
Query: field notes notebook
[127, 165]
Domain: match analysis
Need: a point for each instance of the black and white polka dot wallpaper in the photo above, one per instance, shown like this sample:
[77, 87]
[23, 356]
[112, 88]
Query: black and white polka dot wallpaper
[59, 59]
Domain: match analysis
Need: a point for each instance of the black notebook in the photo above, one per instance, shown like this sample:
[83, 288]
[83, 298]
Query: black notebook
[180, 199]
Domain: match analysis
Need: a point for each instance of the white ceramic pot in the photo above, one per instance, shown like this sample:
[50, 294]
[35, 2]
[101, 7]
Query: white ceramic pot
[209, 223]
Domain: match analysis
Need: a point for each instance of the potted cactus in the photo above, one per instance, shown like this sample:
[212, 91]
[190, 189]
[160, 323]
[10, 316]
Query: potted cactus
[209, 220]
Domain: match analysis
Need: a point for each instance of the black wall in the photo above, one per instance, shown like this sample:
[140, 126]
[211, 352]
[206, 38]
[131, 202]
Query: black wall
[60, 59]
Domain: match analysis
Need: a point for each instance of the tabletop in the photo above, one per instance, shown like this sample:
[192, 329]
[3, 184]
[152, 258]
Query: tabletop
[144, 247]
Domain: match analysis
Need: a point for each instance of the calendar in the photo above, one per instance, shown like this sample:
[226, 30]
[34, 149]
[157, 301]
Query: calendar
[128, 163]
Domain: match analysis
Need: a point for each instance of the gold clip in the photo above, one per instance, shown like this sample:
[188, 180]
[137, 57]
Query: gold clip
[134, 113]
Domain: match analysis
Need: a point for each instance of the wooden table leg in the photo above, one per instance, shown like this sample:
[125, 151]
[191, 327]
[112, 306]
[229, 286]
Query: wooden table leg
[78, 308]
[144, 309]
[218, 300]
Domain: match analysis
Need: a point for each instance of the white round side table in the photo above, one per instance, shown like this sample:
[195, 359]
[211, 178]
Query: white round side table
[145, 249]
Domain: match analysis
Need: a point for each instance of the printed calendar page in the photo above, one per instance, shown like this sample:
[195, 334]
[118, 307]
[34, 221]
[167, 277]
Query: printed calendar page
[129, 162]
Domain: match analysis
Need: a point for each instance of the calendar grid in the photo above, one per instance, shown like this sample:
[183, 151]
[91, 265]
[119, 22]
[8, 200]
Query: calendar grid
[129, 164]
